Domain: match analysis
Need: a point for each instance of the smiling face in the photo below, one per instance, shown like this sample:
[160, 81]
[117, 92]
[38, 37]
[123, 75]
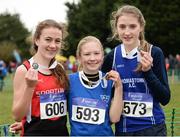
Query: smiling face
[91, 56]
[128, 29]
[49, 42]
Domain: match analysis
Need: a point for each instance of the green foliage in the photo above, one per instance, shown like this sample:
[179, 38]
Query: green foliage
[162, 21]
[6, 50]
[12, 30]
[92, 17]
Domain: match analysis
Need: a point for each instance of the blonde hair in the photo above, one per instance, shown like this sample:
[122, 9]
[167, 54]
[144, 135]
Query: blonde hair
[144, 45]
[58, 71]
[83, 42]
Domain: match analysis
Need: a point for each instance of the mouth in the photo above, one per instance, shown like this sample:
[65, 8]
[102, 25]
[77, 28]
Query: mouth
[51, 51]
[93, 63]
[127, 38]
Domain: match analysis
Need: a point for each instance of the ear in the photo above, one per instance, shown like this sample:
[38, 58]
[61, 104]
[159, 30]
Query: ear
[37, 42]
[141, 29]
[103, 57]
[78, 58]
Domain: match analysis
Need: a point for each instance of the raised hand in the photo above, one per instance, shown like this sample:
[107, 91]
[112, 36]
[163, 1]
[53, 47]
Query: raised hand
[146, 61]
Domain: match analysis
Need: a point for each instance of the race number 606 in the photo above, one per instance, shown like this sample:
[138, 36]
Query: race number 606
[53, 109]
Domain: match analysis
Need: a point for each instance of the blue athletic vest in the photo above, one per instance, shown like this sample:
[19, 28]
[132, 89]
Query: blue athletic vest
[137, 97]
[83, 102]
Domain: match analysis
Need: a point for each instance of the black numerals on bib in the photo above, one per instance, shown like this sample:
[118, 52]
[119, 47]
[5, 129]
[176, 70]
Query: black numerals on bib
[143, 108]
[87, 114]
[131, 107]
[54, 109]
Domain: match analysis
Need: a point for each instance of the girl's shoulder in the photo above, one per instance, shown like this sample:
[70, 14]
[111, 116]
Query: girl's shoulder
[157, 54]
[21, 69]
[156, 50]
[73, 75]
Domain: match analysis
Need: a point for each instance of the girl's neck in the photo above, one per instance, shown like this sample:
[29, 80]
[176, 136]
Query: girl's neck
[129, 48]
[92, 77]
[41, 61]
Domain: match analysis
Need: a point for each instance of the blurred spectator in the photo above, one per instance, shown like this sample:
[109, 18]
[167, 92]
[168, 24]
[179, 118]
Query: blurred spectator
[12, 66]
[167, 63]
[172, 63]
[74, 67]
[3, 73]
[177, 66]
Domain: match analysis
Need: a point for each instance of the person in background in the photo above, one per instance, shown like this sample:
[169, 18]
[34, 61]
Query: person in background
[177, 66]
[3, 74]
[143, 73]
[91, 106]
[172, 64]
[40, 85]
[167, 63]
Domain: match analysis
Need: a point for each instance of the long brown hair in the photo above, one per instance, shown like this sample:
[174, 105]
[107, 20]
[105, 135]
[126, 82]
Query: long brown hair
[144, 45]
[58, 71]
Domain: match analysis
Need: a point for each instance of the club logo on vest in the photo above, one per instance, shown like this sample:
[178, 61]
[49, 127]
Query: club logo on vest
[105, 98]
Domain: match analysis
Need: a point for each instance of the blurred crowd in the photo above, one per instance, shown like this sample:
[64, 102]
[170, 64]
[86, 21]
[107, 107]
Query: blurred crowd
[173, 67]
[6, 68]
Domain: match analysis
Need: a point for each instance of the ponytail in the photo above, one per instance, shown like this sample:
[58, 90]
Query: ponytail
[61, 75]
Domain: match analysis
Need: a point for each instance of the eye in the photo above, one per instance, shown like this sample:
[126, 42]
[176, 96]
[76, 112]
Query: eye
[122, 26]
[58, 41]
[86, 54]
[97, 53]
[132, 26]
[48, 39]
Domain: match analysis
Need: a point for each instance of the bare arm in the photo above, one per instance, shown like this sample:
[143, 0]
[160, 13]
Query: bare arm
[117, 101]
[23, 86]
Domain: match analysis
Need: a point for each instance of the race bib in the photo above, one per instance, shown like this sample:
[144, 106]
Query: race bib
[137, 105]
[53, 105]
[90, 111]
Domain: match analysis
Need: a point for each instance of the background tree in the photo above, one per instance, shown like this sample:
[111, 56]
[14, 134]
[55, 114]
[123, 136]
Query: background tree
[14, 34]
[92, 17]
[6, 51]
[162, 21]
[89, 17]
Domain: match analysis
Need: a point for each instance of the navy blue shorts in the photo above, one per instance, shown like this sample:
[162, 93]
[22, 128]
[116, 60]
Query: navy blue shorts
[155, 130]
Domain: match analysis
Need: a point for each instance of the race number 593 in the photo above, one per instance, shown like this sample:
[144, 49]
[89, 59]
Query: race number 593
[88, 114]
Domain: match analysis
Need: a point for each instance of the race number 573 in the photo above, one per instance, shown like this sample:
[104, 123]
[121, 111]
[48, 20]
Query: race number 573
[137, 109]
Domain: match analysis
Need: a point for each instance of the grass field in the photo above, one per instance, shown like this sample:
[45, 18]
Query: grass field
[6, 104]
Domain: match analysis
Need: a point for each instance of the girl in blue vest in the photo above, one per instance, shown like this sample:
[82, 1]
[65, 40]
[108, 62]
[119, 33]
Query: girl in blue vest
[91, 108]
[143, 74]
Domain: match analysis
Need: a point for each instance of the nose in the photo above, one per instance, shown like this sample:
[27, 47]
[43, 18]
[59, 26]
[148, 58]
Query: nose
[92, 57]
[52, 44]
[127, 31]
